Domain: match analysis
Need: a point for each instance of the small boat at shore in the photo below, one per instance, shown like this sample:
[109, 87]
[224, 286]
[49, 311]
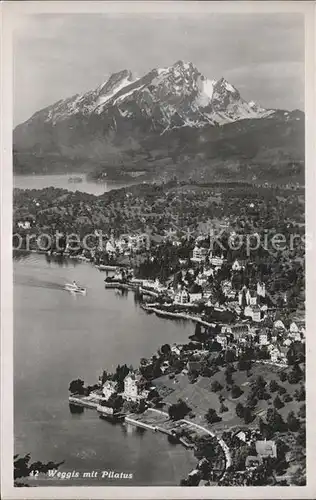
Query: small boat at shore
[74, 288]
[75, 179]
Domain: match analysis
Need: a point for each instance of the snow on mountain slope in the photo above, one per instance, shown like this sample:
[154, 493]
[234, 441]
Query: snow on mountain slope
[104, 98]
[92, 101]
[174, 96]
[163, 99]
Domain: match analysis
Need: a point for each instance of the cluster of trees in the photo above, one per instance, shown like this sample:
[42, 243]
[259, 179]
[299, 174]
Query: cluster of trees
[211, 416]
[178, 410]
[76, 387]
[24, 468]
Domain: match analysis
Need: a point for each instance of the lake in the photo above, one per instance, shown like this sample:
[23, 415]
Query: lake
[61, 181]
[59, 337]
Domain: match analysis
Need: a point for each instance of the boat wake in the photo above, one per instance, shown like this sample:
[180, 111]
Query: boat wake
[38, 283]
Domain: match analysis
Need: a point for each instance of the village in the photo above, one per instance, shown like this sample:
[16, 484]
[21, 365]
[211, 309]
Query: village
[242, 371]
[219, 394]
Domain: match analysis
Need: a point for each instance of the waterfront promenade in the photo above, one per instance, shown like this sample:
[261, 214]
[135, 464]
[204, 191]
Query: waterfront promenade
[159, 421]
[178, 315]
[203, 430]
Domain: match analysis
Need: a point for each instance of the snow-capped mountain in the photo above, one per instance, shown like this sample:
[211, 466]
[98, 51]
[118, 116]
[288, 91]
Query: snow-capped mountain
[175, 96]
[168, 113]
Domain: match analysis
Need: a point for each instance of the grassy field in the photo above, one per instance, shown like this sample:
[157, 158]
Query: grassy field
[200, 397]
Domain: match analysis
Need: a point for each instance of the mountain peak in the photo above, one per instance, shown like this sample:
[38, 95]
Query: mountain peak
[115, 79]
[168, 97]
[223, 84]
[183, 64]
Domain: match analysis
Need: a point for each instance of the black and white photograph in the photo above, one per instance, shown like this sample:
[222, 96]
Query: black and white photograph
[158, 241]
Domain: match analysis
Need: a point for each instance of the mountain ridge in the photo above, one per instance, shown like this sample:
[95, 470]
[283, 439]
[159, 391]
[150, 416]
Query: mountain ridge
[125, 120]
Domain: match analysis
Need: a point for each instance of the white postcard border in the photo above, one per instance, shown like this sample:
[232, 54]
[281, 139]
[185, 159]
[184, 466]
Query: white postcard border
[10, 12]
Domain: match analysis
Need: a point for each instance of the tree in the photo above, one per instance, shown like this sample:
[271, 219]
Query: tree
[230, 356]
[229, 374]
[236, 391]
[278, 403]
[261, 425]
[299, 477]
[243, 299]
[293, 423]
[23, 468]
[283, 376]
[211, 416]
[299, 394]
[165, 349]
[216, 386]
[240, 457]
[198, 330]
[258, 388]
[248, 416]
[223, 408]
[275, 420]
[273, 386]
[76, 387]
[295, 374]
[302, 411]
[244, 364]
[119, 376]
[240, 410]
[252, 401]
[178, 410]
[301, 437]
[206, 447]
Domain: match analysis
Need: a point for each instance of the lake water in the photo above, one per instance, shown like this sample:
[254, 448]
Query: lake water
[61, 181]
[59, 337]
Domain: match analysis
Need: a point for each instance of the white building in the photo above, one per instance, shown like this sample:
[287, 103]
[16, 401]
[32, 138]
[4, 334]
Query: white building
[208, 272]
[216, 261]
[279, 325]
[253, 312]
[237, 266]
[227, 289]
[278, 355]
[256, 314]
[287, 342]
[226, 329]
[261, 289]
[154, 285]
[263, 338]
[294, 328]
[109, 247]
[132, 391]
[109, 388]
[138, 242]
[24, 224]
[182, 297]
[195, 297]
[251, 298]
[199, 254]
[201, 279]
[222, 339]
[176, 349]
[274, 355]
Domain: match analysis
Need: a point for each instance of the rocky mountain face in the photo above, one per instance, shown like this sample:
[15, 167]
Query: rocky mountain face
[169, 116]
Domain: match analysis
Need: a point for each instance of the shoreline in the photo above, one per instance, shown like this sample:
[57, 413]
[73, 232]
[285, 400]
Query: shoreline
[116, 285]
[137, 420]
[175, 315]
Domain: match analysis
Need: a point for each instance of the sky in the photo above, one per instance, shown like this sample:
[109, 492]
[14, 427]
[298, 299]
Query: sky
[57, 56]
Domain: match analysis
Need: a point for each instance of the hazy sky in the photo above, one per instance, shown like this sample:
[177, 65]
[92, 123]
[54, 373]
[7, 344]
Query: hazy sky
[56, 56]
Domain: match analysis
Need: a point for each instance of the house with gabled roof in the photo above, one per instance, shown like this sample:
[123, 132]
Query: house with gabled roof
[266, 448]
